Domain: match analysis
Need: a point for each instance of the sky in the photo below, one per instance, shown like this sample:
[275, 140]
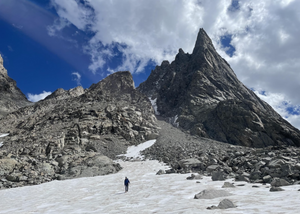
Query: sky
[51, 44]
[148, 193]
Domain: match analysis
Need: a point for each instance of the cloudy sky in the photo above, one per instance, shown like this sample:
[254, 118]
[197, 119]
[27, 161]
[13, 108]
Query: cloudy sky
[50, 44]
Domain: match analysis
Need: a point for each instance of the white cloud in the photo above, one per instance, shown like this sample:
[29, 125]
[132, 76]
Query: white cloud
[77, 77]
[57, 26]
[38, 97]
[17, 26]
[285, 108]
[265, 35]
[140, 30]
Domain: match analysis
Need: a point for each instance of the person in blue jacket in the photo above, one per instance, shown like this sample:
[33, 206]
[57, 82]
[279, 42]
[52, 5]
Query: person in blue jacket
[126, 184]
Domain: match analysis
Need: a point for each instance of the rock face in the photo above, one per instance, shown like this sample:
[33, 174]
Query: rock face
[199, 92]
[11, 97]
[75, 133]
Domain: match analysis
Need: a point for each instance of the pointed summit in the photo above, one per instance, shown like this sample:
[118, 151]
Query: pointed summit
[203, 41]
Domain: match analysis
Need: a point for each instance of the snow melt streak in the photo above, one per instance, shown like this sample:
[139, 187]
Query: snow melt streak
[2, 135]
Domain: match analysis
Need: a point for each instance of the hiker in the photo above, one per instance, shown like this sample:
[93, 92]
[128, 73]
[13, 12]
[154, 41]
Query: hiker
[126, 183]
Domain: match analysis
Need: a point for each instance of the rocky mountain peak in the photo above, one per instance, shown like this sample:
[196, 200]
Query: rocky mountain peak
[200, 92]
[61, 94]
[116, 82]
[2, 69]
[203, 42]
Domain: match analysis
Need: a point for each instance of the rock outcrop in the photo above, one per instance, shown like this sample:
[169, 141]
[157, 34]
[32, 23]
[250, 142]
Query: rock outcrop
[75, 133]
[11, 97]
[61, 94]
[199, 92]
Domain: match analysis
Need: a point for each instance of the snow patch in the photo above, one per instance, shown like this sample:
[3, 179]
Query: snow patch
[135, 151]
[154, 105]
[4, 135]
[173, 121]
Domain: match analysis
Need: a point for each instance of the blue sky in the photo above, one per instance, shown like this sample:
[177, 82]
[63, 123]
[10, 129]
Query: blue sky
[50, 44]
[40, 61]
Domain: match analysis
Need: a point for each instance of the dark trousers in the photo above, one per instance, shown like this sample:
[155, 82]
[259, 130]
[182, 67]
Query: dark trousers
[126, 188]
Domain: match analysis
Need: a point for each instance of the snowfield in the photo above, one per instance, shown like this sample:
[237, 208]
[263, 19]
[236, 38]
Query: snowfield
[148, 193]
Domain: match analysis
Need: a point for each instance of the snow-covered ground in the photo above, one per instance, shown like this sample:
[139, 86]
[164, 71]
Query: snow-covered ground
[148, 193]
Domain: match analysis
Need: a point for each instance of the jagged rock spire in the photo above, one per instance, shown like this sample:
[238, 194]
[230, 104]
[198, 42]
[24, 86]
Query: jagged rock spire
[203, 92]
[203, 41]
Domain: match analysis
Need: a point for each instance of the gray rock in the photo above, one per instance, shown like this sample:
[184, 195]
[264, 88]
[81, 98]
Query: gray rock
[93, 166]
[267, 179]
[277, 163]
[161, 171]
[211, 194]
[190, 163]
[7, 165]
[212, 168]
[278, 182]
[218, 176]
[213, 207]
[194, 177]
[46, 168]
[226, 204]
[13, 178]
[242, 178]
[255, 175]
[276, 189]
[227, 185]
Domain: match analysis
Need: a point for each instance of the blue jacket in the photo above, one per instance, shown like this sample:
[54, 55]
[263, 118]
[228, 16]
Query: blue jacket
[126, 182]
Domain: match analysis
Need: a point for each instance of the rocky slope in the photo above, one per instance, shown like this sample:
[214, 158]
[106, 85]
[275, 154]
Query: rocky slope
[278, 166]
[199, 92]
[75, 133]
[11, 97]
